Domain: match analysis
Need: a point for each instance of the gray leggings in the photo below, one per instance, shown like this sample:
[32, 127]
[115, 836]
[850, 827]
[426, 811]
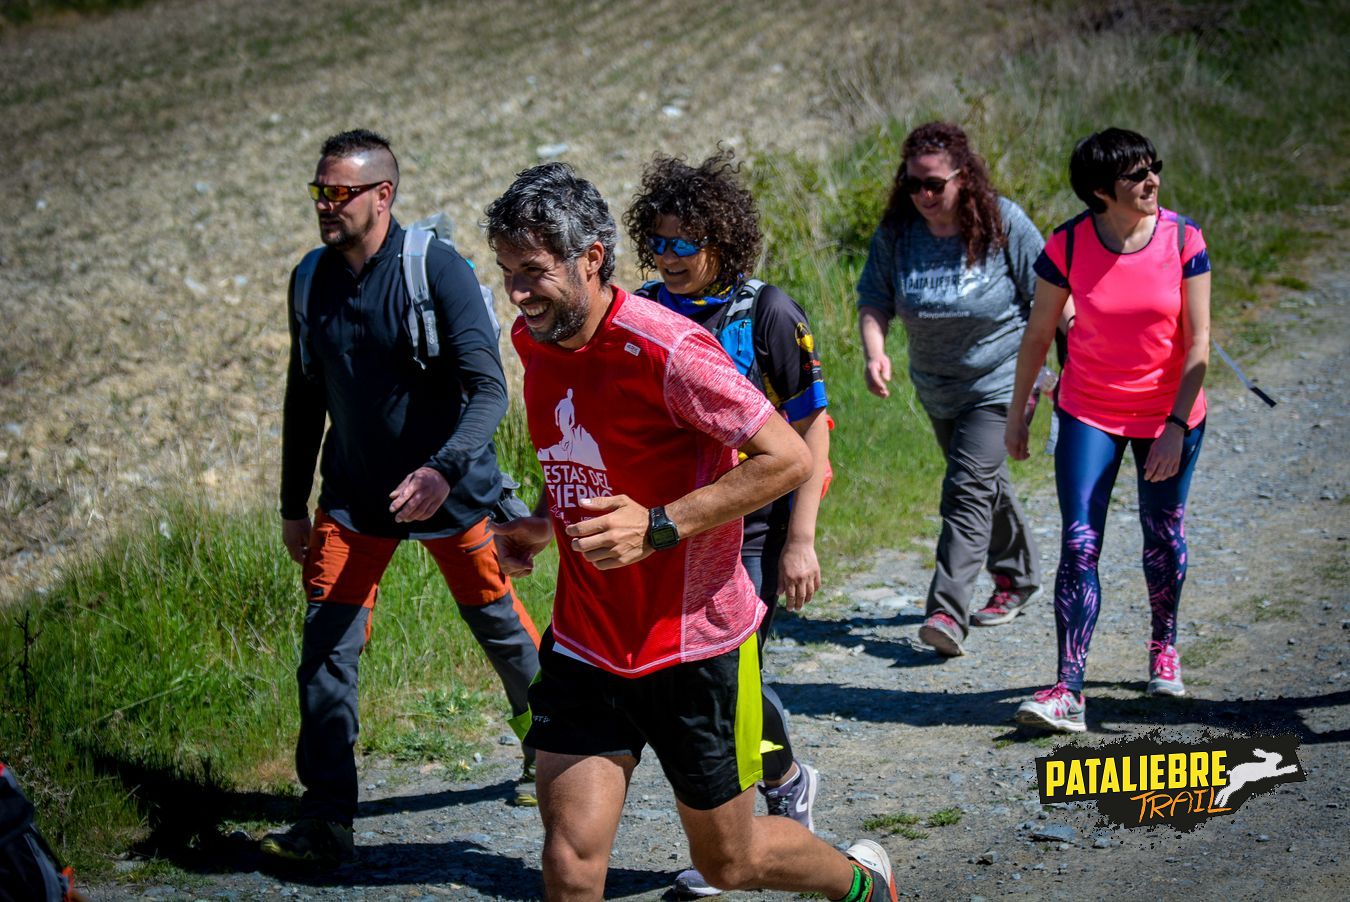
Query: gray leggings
[982, 523]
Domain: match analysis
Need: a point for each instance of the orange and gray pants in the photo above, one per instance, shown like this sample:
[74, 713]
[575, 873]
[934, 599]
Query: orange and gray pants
[341, 580]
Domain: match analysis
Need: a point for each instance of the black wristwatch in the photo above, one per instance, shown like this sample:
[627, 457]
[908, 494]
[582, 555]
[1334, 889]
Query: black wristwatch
[661, 531]
[1173, 418]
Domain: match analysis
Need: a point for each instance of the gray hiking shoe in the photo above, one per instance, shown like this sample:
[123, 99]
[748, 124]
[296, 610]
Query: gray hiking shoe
[311, 841]
[877, 863]
[1164, 670]
[795, 799]
[1004, 604]
[943, 634]
[691, 885]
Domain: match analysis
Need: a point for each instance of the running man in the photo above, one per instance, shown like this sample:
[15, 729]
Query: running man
[653, 639]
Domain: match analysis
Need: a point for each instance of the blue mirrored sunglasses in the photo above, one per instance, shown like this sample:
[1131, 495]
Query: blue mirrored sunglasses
[682, 247]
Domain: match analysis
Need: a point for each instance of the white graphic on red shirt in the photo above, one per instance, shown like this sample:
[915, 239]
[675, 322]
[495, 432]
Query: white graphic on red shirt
[573, 468]
[576, 444]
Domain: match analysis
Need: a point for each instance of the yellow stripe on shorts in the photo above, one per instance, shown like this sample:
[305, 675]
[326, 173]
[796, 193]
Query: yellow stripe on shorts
[749, 715]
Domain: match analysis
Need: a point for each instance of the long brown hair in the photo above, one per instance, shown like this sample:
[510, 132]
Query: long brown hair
[977, 208]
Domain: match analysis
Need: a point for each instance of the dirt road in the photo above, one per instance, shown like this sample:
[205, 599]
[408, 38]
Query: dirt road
[893, 729]
[155, 206]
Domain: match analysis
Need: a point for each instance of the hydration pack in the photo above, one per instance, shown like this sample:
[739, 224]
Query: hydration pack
[734, 326]
[29, 871]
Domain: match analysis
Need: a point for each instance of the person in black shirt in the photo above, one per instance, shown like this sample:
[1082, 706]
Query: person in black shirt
[408, 455]
[698, 228]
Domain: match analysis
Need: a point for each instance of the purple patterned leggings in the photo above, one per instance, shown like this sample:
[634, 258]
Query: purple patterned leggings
[1087, 461]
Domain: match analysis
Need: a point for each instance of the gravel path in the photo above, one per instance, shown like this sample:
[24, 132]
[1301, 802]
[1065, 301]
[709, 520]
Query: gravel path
[894, 729]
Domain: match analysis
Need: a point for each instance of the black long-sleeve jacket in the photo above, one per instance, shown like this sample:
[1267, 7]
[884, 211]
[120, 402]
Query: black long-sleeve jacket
[388, 415]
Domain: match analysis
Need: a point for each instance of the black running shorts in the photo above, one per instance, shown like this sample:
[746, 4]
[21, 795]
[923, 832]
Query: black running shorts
[703, 719]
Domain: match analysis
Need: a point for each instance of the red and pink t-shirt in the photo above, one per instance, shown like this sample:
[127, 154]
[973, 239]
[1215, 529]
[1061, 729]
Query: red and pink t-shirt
[651, 407]
[1126, 348]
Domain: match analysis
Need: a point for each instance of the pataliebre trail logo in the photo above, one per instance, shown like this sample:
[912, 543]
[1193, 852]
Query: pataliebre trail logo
[1145, 782]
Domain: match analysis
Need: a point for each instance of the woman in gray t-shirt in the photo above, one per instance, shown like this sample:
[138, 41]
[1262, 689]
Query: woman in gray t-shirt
[954, 262]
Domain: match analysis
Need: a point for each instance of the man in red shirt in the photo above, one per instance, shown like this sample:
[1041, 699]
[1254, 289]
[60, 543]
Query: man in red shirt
[637, 416]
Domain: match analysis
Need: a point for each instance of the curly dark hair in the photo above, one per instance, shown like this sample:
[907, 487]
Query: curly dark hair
[712, 205]
[977, 208]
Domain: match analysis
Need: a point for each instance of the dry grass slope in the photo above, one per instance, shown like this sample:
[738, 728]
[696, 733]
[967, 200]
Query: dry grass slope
[157, 156]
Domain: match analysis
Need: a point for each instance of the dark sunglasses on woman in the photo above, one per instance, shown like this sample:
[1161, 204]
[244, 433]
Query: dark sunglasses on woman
[1142, 172]
[933, 184]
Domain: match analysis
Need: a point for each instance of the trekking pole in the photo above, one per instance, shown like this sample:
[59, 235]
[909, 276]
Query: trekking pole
[1242, 377]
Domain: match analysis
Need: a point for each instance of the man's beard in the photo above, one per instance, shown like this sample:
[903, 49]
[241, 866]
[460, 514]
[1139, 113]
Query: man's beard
[340, 235]
[569, 312]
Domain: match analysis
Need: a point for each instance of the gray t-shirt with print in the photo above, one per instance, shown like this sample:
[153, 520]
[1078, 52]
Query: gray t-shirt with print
[964, 323]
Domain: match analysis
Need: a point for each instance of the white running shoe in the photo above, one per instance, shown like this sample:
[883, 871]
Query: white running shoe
[873, 857]
[1058, 708]
[795, 799]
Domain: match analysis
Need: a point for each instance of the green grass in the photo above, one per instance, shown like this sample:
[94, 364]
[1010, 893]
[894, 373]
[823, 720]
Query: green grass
[1203, 652]
[908, 825]
[1263, 609]
[947, 817]
[158, 678]
[150, 692]
[19, 11]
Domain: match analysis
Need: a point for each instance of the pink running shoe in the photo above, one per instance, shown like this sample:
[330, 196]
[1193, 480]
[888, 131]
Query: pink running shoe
[1058, 708]
[1164, 670]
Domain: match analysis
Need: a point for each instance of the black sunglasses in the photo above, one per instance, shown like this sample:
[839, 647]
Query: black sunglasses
[1142, 172]
[932, 185]
[338, 194]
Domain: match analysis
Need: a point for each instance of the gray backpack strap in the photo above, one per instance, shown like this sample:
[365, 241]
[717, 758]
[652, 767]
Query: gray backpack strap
[421, 312]
[1181, 237]
[745, 299]
[304, 282]
[491, 306]
[416, 241]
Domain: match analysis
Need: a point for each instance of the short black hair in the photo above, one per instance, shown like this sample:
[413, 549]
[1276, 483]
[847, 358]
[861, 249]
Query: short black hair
[359, 141]
[549, 206]
[1102, 158]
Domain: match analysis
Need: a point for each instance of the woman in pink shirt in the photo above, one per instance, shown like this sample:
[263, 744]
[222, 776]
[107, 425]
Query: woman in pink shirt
[1138, 349]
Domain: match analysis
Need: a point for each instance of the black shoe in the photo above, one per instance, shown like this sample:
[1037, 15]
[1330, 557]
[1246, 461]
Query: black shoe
[312, 841]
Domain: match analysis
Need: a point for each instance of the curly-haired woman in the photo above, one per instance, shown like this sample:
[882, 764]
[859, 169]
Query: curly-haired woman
[1138, 351]
[697, 226]
[954, 262]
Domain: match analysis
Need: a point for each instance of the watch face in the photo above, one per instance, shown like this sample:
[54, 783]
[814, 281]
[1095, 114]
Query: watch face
[664, 536]
[661, 532]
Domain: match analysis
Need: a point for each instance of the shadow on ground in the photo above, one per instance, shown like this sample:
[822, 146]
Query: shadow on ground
[995, 708]
[190, 818]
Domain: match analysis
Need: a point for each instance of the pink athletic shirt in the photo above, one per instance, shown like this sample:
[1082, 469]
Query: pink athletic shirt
[651, 407]
[1126, 349]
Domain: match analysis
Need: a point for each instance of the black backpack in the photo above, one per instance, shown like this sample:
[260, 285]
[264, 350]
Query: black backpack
[29, 869]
